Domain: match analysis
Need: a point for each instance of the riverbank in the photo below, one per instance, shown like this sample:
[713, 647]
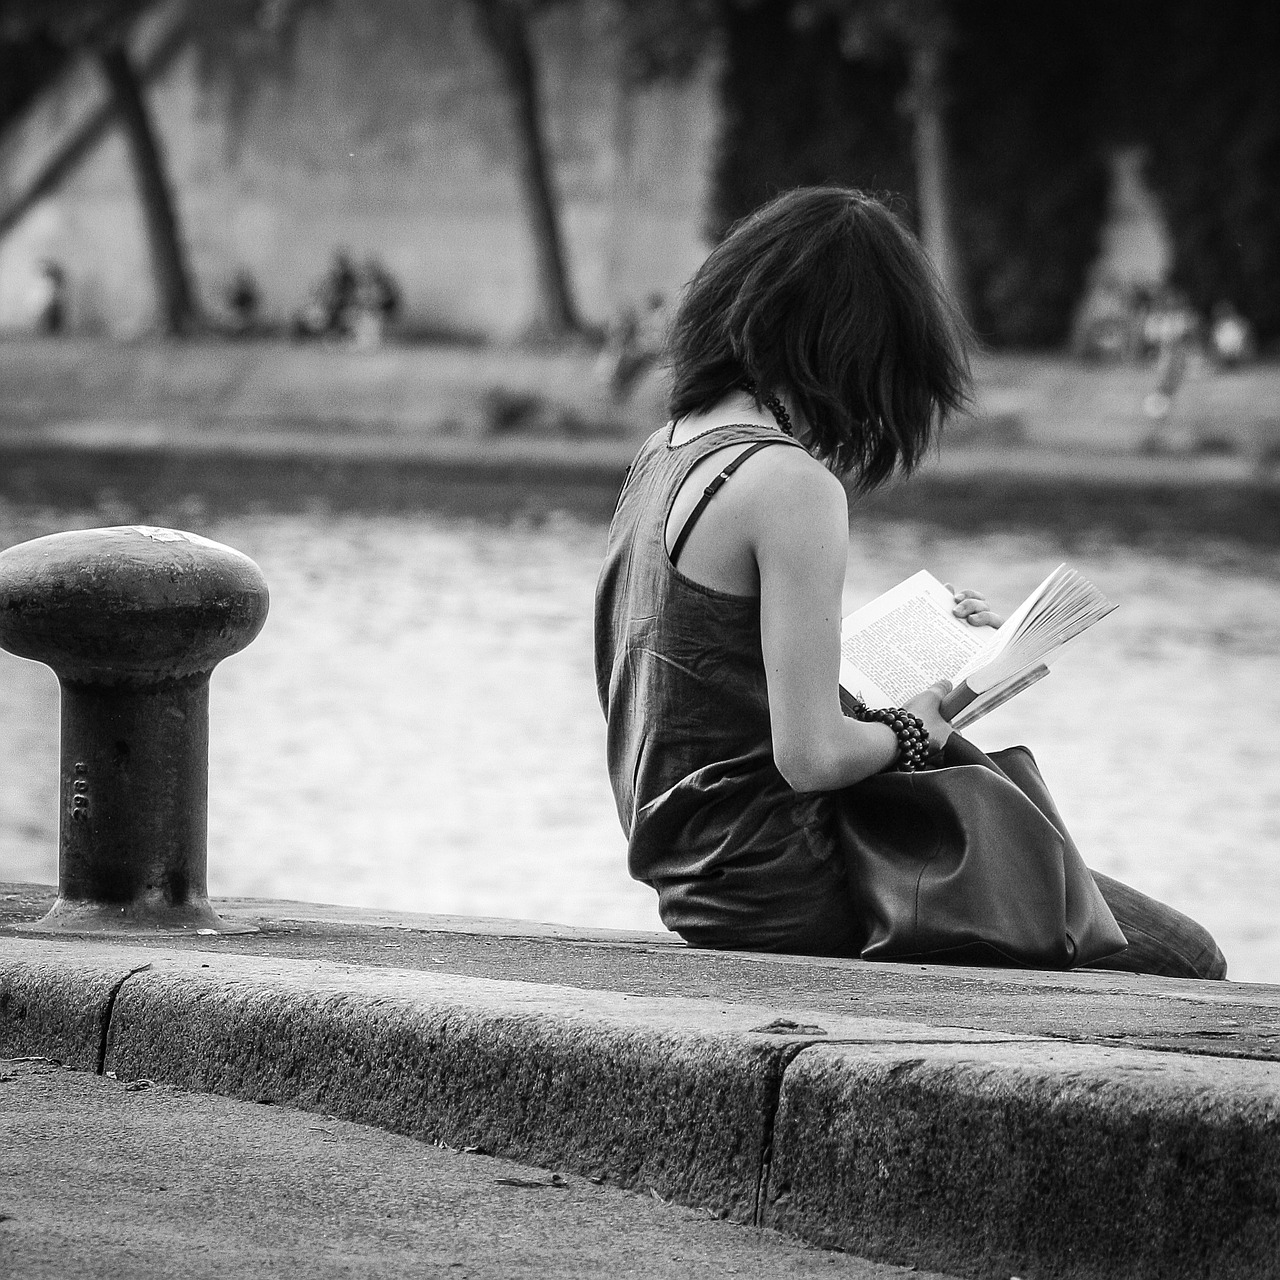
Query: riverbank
[1039, 401]
[161, 430]
[980, 1122]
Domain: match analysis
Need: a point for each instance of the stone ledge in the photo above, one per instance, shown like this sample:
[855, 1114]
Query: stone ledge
[671, 1094]
[1052, 1159]
[982, 1153]
[57, 1004]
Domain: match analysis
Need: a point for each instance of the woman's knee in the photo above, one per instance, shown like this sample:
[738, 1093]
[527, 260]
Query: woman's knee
[1214, 963]
[1161, 939]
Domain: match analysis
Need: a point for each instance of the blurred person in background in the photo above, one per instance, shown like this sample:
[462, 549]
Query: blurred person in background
[375, 305]
[1230, 336]
[48, 300]
[1170, 330]
[329, 311]
[244, 301]
[632, 346]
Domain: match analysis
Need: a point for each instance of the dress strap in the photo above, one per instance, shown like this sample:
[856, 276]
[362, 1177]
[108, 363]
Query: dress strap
[710, 492]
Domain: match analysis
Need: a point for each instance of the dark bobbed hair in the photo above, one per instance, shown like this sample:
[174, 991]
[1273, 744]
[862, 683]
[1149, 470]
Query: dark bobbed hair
[824, 297]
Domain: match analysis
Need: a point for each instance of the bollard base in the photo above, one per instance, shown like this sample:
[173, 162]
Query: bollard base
[132, 919]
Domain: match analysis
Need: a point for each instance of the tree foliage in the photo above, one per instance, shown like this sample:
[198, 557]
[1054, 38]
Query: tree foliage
[922, 32]
[819, 91]
[70, 22]
[667, 39]
[1031, 177]
[27, 64]
[245, 44]
[878, 28]
[796, 112]
[1211, 119]
[101, 28]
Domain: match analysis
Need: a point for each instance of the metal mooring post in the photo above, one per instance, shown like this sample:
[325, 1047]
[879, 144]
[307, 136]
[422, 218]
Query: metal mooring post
[132, 620]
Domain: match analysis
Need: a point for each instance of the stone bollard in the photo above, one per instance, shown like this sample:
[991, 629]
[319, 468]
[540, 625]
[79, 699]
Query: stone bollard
[132, 620]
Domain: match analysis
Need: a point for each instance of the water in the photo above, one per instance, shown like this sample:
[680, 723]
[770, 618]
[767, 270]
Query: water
[417, 728]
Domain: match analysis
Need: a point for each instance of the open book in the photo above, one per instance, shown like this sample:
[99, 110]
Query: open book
[905, 640]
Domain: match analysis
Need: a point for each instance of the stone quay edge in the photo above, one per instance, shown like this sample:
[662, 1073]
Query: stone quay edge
[983, 1153]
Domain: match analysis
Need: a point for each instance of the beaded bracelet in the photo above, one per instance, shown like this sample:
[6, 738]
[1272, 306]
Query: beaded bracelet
[913, 737]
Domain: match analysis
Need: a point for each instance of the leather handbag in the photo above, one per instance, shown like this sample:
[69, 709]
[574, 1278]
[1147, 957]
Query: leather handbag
[970, 862]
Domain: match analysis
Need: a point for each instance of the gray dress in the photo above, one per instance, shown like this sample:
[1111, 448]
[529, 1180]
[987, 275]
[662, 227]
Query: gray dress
[738, 859]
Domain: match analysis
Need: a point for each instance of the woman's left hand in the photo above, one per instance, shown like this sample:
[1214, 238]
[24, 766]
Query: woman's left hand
[973, 606]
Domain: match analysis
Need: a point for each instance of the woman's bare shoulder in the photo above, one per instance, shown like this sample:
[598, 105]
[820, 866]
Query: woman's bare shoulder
[794, 507]
[791, 475]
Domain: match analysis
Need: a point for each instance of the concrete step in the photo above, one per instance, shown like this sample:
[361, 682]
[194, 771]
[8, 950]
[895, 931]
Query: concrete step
[980, 1122]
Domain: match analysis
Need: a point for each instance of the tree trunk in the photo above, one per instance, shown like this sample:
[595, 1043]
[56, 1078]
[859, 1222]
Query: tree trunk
[622, 196]
[168, 259]
[932, 169]
[504, 25]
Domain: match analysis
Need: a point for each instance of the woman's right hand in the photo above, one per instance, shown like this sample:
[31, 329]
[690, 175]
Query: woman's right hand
[926, 706]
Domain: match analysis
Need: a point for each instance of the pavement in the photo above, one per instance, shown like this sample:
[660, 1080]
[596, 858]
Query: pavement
[972, 1122]
[106, 1178]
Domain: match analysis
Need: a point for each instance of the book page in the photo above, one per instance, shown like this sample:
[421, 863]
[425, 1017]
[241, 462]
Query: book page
[1059, 609]
[899, 644]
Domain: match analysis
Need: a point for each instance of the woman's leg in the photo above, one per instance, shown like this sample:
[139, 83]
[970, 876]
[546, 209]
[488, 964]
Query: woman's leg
[1161, 940]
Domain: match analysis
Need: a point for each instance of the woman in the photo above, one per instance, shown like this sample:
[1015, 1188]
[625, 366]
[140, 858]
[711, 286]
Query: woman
[813, 345]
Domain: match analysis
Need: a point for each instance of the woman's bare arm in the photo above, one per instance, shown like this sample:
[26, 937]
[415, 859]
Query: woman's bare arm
[800, 537]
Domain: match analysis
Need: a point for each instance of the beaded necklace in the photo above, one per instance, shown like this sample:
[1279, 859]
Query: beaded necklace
[773, 404]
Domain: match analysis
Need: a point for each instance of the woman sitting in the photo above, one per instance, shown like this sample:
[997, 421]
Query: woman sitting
[814, 346]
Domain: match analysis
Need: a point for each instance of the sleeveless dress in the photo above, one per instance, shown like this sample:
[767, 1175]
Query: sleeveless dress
[738, 859]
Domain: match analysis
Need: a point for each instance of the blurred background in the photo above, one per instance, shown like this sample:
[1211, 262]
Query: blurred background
[374, 291]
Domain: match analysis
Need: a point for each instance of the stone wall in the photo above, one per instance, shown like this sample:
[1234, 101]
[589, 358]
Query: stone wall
[385, 132]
